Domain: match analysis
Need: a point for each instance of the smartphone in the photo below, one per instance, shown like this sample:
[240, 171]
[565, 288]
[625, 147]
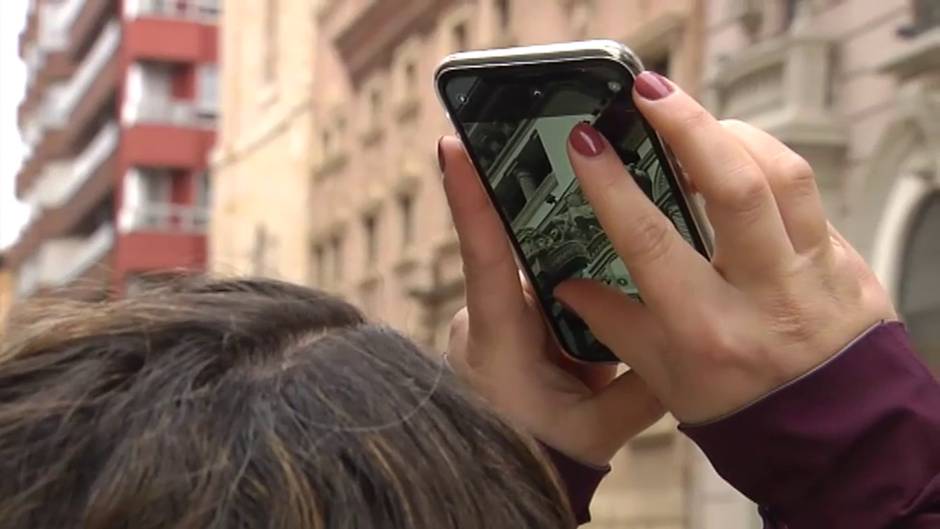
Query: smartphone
[514, 109]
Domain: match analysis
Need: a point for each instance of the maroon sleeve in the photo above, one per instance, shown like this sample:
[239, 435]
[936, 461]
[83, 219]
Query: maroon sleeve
[855, 444]
[580, 482]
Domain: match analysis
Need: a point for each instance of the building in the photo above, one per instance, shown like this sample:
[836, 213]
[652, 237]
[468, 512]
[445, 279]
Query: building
[261, 166]
[7, 289]
[119, 116]
[326, 173]
[853, 86]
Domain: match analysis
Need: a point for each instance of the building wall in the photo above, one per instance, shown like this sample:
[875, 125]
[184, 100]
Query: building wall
[261, 167]
[7, 293]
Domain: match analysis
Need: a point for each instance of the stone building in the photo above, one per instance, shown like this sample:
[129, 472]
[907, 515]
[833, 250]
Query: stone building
[853, 86]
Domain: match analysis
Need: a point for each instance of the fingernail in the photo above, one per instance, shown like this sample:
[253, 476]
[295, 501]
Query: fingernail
[440, 154]
[586, 140]
[652, 86]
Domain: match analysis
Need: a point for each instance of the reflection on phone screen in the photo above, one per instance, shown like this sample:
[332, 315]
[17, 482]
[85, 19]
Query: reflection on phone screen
[518, 129]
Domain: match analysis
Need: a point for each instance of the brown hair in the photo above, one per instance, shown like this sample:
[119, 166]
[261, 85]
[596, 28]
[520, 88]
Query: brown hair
[248, 404]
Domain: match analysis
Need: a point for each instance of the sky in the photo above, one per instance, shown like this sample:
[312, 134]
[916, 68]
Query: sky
[12, 78]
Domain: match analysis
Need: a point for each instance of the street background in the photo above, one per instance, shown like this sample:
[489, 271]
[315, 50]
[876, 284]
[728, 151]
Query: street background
[295, 139]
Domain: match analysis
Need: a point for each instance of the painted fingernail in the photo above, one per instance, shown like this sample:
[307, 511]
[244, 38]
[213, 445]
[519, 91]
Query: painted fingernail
[652, 86]
[440, 154]
[586, 140]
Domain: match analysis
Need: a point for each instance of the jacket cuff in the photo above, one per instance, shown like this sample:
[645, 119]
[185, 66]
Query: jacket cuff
[580, 481]
[855, 439]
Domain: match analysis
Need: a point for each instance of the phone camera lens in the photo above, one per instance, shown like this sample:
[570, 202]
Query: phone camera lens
[461, 98]
[537, 93]
[614, 86]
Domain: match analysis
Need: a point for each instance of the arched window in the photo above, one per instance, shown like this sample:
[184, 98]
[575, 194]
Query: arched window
[919, 293]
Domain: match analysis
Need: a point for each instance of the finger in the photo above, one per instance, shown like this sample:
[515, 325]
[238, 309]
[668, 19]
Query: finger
[627, 405]
[628, 328]
[657, 257]
[792, 182]
[492, 281]
[738, 198]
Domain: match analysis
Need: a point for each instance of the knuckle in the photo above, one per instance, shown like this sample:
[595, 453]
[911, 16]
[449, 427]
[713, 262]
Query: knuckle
[695, 118]
[651, 238]
[743, 190]
[795, 172]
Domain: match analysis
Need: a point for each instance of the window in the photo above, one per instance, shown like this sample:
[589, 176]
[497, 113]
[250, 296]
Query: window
[271, 29]
[411, 75]
[259, 251]
[319, 256]
[375, 106]
[659, 65]
[919, 299]
[459, 35]
[326, 142]
[503, 12]
[203, 189]
[336, 249]
[370, 229]
[207, 97]
[406, 207]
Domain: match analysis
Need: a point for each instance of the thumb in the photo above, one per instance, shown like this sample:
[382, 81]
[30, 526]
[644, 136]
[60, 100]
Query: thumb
[628, 328]
[627, 406]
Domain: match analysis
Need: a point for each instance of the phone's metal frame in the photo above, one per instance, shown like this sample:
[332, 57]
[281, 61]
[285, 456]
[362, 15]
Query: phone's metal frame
[570, 52]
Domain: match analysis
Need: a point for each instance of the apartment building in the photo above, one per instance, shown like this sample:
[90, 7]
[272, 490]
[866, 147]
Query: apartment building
[119, 116]
[853, 86]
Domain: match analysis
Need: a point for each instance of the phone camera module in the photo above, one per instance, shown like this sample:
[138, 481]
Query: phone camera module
[614, 86]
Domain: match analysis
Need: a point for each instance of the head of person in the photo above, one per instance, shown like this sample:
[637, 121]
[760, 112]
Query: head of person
[248, 404]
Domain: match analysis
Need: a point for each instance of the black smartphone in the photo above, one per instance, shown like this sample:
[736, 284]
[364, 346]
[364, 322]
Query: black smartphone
[514, 109]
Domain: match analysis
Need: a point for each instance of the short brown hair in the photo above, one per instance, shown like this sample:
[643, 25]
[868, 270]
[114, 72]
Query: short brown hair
[248, 404]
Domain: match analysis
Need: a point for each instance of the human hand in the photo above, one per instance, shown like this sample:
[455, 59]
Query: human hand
[783, 292]
[500, 344]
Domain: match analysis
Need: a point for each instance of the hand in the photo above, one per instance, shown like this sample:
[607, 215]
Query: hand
[782, 294]
[500, 345]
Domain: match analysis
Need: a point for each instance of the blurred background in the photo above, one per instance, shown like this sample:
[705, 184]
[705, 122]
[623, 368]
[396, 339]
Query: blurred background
[295, 139]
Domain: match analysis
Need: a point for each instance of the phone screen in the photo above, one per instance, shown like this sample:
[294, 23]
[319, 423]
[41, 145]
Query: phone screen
[515, 122]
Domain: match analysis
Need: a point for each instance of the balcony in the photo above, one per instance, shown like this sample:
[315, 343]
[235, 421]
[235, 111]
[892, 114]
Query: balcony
[205, 11]
[61, 261]
[61, 180]
[782, 85]
[926, 18]
[91, 68]
[176, 113]
[164, 218]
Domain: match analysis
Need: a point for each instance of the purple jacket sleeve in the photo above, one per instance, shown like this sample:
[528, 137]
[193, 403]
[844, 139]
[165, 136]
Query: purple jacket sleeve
[580, 482]
[855, 444]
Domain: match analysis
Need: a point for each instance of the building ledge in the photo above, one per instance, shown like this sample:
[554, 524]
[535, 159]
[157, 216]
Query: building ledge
[374, 33]
[331, 165]
[921, 54]
[782, 85]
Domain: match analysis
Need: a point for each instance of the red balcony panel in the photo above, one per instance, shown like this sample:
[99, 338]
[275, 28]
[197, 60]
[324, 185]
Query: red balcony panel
[152, 251]
[167, 146]
[171, 40]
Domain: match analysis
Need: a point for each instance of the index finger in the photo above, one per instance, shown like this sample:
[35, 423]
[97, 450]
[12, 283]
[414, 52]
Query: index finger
[494, 292]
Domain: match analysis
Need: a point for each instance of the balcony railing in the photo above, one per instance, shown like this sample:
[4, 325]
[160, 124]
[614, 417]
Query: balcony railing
[165, 218]
[178, 113]
[64, 260]
[60, 181]
[66, 14]
[206, 11]
[97, 58]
